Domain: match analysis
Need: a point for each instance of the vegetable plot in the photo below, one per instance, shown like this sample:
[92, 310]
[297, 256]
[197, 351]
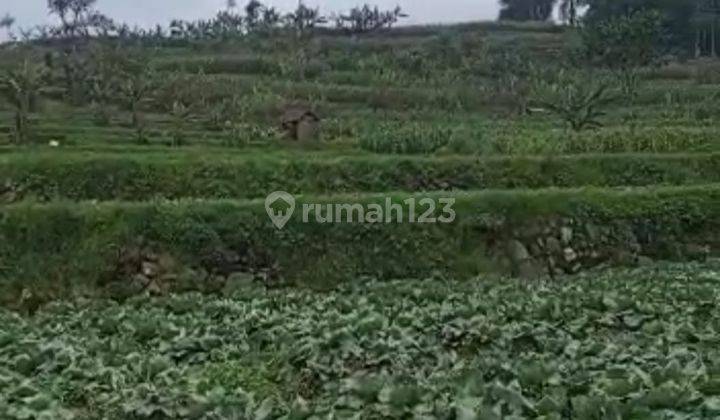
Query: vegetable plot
[640, 344]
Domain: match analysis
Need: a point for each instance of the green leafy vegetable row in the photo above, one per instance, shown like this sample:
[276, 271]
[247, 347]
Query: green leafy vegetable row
[626, 344]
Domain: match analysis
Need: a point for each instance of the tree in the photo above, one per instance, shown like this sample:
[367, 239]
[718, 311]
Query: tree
[177, 95]
[678, 18]
[74, 75]
[525, 10]
[260, 17]
[625, 41]
[304, 19]
[78, 17]
[252, 13]
[7, 23]
[511, 69]
[135, 88]
[578, 99]
[624, 44]
[103, 63]
[368, 19]
[21, 88]
[706, 23]
[271, 17]
[569, 11]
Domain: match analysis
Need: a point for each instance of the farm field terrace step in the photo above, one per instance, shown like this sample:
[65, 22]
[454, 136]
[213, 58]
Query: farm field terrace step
[64, 249]
[46, 176]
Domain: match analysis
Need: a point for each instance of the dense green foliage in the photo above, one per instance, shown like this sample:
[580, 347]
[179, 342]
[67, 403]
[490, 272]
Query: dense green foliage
[689, 26]
[63, 249]
[21, 88]
[629, 344]
[624, 42]
[143, 176]
[523, 10]
[680, 19]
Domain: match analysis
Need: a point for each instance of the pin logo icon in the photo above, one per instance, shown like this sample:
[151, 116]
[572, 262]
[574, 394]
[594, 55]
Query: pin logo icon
[280, 206]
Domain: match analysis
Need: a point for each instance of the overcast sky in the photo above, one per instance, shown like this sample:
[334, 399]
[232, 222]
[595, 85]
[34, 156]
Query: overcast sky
[149, 12]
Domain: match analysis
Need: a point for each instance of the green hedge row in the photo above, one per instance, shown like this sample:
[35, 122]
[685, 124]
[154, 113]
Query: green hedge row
[136, 177]
[63, 249]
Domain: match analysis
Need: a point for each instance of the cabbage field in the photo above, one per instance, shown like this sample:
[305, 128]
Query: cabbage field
[634, 343]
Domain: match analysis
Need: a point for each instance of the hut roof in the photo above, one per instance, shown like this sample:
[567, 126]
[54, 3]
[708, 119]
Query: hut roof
[298, 114]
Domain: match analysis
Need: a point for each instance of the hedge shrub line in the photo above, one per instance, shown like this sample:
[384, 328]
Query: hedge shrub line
[63, 249]
[135, 177]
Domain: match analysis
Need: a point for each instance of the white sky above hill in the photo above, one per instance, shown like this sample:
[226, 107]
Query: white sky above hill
[149, 12]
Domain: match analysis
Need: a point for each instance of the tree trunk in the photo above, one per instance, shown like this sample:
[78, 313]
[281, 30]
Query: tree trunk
[713, 51]
[22, 122]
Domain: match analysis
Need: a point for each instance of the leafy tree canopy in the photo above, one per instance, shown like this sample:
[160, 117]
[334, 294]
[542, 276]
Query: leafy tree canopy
[676, 16]
[625, 41]
[526, 10]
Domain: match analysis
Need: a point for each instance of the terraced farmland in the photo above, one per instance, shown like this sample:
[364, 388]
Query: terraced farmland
[143, 278]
